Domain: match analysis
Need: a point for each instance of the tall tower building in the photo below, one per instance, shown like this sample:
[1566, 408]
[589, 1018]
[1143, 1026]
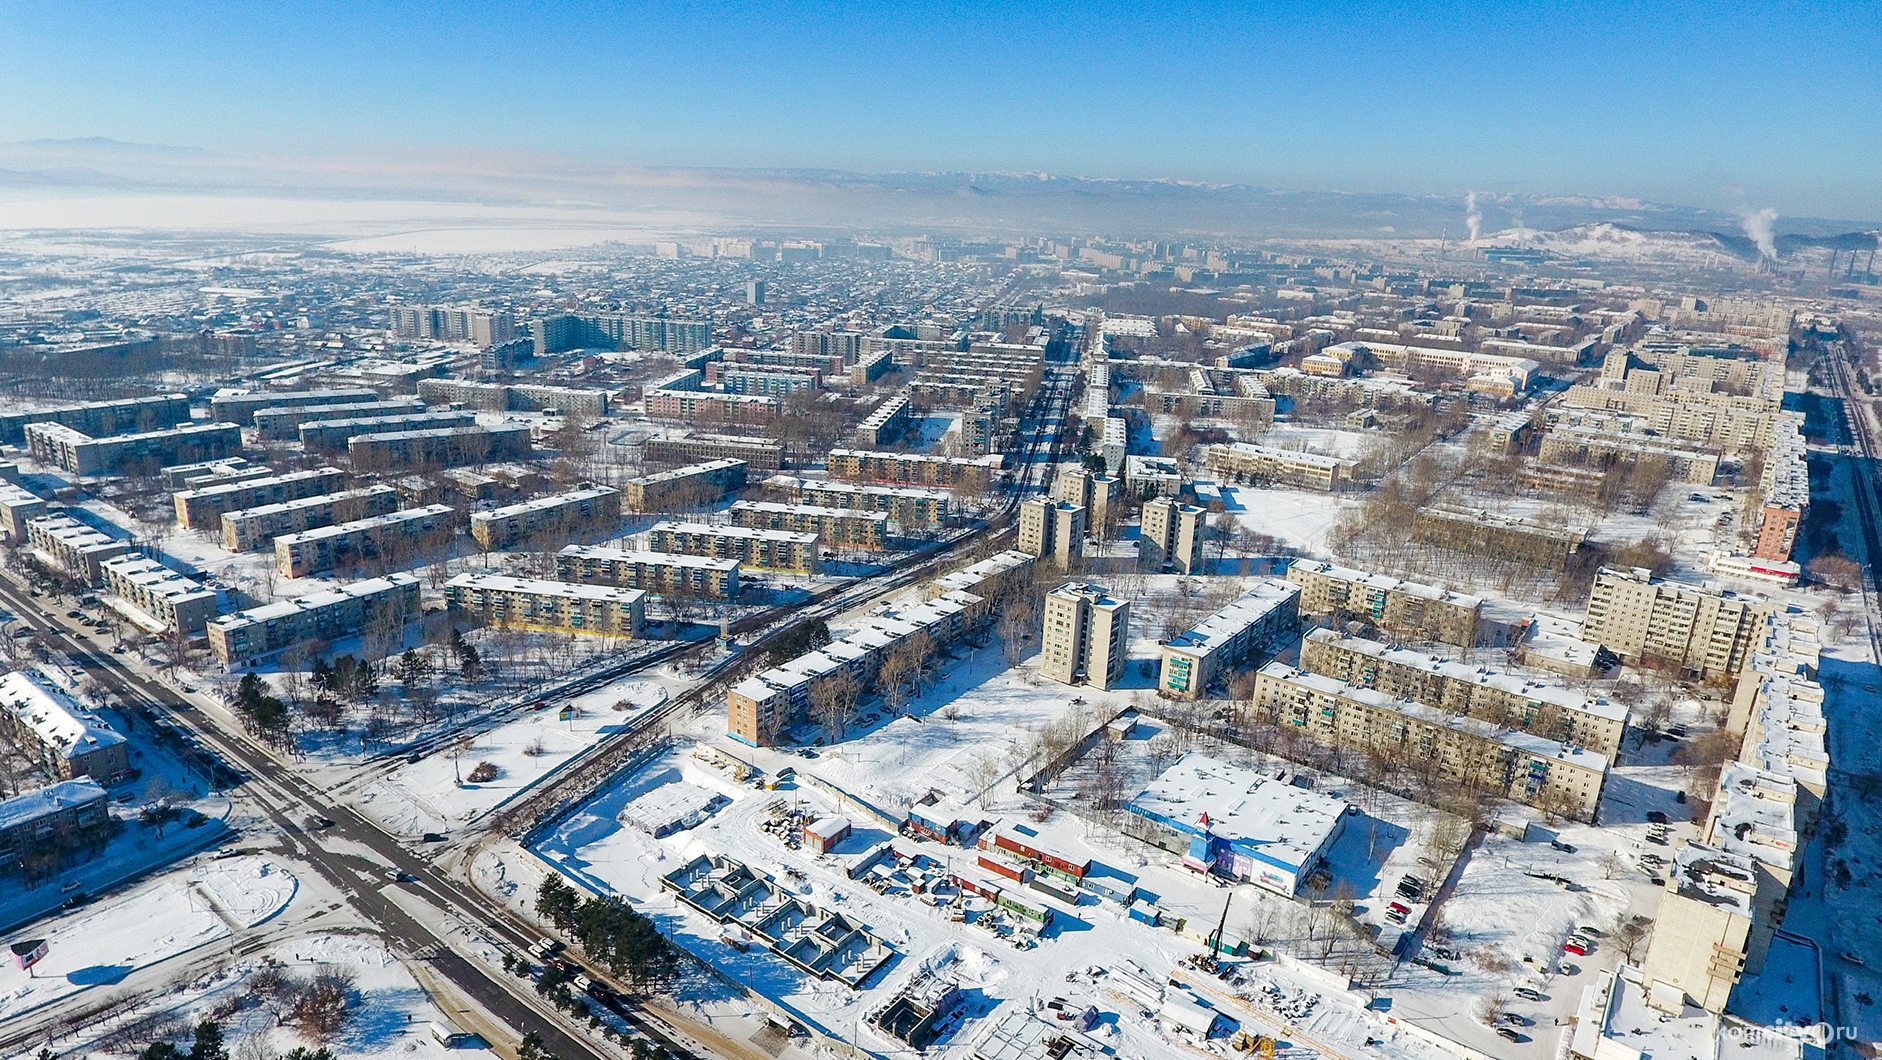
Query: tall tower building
[755, 292]
[1052, 530]
[1085, 486]
[1085, 636]
[1172, 534]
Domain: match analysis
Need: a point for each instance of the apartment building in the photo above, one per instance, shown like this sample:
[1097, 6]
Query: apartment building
[1501, 375]
[916, 469]
[514, 397]
[1244, 633]
[778, 550]
[331, 436]
[65, 739]
[1463, 751]
[906, 506]
[446, 447]
[532, 603]
[246, 637]
[1244, 462]
[1052, 529]
[709, 406]
[1533, 706]
[1699, 630]
[172, 600]
[1733, 423]
[36, 821]
[1086, 487]
[18, 506]
[1171, 536]
[1603, 450]
[241, 407]
[397, 538]
[844, 345]
[1481, 533]
[451, 323]
[284, 424]
[81, 454]
[1394, 605]
[202, 509]
[834, 527]
[252, 528]
[684, 488]
[659, 573]
[584, 511]
[886, 424]
[760, 379]
[761, 454]
[100, 419]
[620, 331]
[763, 710]
[210, 473]
[1086, 633]
[1785, 486]
[74, 547]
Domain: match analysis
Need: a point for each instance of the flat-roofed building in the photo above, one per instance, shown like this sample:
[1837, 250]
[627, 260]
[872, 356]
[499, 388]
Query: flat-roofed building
[74, 547]
[909, 507]
[252, 528]
[395, 538]
[202, 509]
[834, 527]
[1172, 534]
[1236, 822]
[762, 454]
[1086, 636]
[241, 407]
[73, 814]
[100, 419]
[709, 406]
[174, 601]
[81, 454]
[284, 424]
[1392, 604]
[246, 637]
[886, 424]
[18, 506]
[64, 738]
[1097, 492]
[1052, 529]
[779, 550]
[532, 603]
[579, 512]
[1697, 629]
[1465, 751]
[660, 573]
[1537, 707]
[201, 473]
[918, 469]
[1244, 633]
[443, 447]
[1604, 450]
[684, 488]
[331, 435]
[1785, 485]
[1244, 462]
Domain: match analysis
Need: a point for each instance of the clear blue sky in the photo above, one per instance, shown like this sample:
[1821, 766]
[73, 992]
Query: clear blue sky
[1700, 103]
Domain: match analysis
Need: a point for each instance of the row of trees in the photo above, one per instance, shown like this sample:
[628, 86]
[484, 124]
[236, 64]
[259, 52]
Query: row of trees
[611, 932]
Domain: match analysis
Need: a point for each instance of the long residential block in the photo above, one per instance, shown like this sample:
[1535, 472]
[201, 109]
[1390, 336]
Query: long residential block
[176, 602]
[81, 454]
[102, 418]
[331, 435]
[579, 512]
[202, 509]
[1463, 750]
[919, 469]
[1698, 630]
[1243, 633]
[779, 550]
[74, 547]
[682, 488]
[395, 536]
[241, 408]
[834, 527]
[246, 637]
[762, 454]
[284, 424]
[1505, 699]
[1263, 465]
[660, 573]
[444, 447]
[252, 528]
[532, 603]
[1392, 604]
[907, 506]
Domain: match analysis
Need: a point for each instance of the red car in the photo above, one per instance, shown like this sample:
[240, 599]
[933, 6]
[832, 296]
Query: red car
[1575, 948]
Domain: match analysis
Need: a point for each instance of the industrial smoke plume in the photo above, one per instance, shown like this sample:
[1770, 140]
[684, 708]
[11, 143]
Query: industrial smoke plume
[1471, 216]
[1757, 225]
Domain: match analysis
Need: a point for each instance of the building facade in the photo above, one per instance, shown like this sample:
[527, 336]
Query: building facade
[1086, 633]
[1392, 604]
[396, 538]
[1172, 536]
[1052, 530]
[659, 573]
[532, 603]
[778, 550]
[834, 527]
[685, 488]
[202, 509]
[246, 637]
[580, 512]
[176, 602]
[1699, 630]
[1243, 634]
[253, 528]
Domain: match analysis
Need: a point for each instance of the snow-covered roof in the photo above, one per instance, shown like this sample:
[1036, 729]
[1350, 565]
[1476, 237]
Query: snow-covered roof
[1275, 821]
[24, 809]
[53, 717]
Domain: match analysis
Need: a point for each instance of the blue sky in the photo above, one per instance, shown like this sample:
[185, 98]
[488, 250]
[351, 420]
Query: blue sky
[1706, 103]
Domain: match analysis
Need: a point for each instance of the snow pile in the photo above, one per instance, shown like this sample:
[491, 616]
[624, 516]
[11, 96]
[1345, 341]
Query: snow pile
[246, 891]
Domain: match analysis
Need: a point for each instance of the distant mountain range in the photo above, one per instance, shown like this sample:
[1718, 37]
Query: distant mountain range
[888, 203]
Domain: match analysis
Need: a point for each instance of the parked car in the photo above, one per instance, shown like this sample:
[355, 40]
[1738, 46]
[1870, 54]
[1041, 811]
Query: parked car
[1575, 947]
[1528, 993]
[1656, 817]
[1509, 1034]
